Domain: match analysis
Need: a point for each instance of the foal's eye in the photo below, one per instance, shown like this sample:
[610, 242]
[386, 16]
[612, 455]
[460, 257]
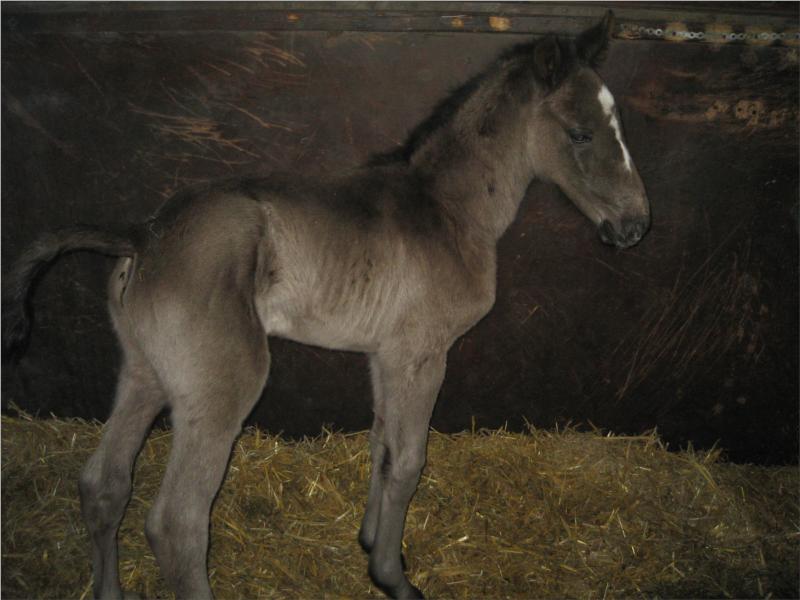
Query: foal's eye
[580, 136]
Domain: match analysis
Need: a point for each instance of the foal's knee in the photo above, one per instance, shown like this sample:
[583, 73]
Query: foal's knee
[179, 539]
[103, 495]
[168, 527]
[404, 471]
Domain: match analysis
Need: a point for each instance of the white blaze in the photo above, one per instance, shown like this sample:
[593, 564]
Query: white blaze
[607, 102]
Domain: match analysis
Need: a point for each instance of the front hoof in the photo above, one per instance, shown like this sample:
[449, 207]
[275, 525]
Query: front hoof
[402, 592]
[408, 592]
[389, 577]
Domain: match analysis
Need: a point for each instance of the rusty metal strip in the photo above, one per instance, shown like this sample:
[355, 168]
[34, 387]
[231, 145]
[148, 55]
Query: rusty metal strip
[713, 33]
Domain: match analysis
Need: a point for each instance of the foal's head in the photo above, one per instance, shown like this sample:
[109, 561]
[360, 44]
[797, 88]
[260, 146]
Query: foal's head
[577, 139]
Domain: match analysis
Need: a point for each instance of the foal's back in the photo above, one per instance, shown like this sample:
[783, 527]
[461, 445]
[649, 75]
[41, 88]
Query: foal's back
[343, 262]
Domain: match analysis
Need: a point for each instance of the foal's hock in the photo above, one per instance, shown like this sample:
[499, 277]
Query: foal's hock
[396, 259]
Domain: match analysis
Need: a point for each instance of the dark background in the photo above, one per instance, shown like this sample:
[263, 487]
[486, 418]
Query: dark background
[108, 109]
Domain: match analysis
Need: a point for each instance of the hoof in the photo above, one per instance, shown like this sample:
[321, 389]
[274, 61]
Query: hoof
[391, 583]
[401, 592]
[131, 596]
[413, 593]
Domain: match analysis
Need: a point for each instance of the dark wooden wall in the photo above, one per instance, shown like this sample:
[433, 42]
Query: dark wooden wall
[108, 109]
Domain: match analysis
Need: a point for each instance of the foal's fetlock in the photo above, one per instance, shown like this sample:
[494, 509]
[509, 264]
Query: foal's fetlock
[366, 541]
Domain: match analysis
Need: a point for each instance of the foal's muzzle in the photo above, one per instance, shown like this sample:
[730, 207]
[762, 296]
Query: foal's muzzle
[627, 234]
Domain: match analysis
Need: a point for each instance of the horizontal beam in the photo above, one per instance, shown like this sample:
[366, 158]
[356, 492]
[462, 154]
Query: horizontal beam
[635, 20]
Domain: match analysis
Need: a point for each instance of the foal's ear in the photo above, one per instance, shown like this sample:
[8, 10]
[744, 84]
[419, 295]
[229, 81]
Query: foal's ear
[547, 60]
[592, 44]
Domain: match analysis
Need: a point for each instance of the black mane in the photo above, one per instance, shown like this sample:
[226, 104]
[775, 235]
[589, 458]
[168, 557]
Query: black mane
[441, 116]
[519, 84]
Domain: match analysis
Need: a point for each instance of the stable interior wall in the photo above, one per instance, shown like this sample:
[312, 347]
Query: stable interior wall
[108, 110]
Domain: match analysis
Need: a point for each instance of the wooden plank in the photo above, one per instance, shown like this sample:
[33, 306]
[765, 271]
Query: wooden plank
[512, 17]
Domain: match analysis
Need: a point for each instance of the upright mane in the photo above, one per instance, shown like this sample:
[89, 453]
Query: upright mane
[441, 116]
[517, 65]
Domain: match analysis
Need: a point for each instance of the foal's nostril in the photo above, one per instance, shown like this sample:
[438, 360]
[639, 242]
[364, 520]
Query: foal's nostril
[633, 230]
[634, 234]
[607, 233]
[629, 233]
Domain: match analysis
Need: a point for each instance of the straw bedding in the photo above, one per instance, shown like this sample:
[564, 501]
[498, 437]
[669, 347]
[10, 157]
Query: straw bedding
[497, 515]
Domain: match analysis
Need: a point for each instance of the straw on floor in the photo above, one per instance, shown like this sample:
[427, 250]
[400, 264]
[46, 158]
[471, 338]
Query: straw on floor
[543, 514]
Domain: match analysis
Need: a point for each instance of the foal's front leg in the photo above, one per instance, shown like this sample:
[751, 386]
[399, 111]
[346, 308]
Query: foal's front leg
[410, 389]
[377, 452]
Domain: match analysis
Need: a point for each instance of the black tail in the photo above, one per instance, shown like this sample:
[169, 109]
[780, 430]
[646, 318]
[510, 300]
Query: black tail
[32, 264]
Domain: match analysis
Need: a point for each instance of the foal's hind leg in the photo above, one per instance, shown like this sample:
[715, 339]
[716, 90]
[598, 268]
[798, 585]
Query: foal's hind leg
[220, 386]
[410, 390]
[105, 483]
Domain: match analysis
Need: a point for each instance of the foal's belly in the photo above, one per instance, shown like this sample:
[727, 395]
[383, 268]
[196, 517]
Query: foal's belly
[345, 325]
[365, 327]
[331, 334]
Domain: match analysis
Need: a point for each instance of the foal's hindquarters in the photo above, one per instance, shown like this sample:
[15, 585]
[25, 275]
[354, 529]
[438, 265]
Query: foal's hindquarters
[192, 342]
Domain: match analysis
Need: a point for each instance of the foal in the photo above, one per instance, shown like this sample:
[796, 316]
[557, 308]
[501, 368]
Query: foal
[395, 259]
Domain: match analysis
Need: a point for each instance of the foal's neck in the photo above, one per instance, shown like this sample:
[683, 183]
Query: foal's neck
[481, 183]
